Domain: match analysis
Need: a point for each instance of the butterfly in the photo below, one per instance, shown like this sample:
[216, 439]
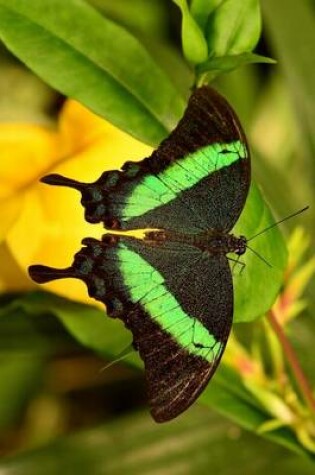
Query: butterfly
[173, 288]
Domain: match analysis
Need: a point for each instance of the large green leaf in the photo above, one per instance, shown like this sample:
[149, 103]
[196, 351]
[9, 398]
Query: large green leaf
[198, 443]
[24, 349]
[89, 325]
[90, 58]
[257, 286]
[20, 373]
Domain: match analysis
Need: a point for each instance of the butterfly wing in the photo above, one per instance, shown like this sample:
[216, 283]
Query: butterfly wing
[197, 179]
[176, 299]
[177, 302]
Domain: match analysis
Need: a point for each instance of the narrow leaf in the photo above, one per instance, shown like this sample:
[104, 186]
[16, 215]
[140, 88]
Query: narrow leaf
[257, 286]
[194, 44]
[201, 9]
[216, 66]
[234, 27]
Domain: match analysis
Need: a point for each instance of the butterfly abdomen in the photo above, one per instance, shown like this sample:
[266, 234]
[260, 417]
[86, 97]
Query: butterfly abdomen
[212, 241]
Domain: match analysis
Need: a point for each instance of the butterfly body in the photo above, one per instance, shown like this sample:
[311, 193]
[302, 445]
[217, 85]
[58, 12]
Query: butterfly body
[173, 289]
[211, 241]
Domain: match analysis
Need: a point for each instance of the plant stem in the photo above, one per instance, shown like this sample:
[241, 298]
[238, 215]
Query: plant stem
[292, 359]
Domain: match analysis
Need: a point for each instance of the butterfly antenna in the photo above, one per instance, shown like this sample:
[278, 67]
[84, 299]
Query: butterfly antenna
[258, 255]
[278, 222]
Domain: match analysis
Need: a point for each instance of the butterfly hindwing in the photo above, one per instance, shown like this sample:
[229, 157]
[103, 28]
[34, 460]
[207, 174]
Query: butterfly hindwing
[182, 323]
[197, 179]
[201, 172]
[176, 300]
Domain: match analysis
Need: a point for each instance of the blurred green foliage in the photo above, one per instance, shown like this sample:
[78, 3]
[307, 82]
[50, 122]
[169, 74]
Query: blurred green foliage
[41, 399]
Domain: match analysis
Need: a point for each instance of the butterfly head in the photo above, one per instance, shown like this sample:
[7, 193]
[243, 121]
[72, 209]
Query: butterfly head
[241, 246]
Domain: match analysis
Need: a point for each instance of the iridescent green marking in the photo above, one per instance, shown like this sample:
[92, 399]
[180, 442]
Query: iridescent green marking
[154, 191]
[146, 285]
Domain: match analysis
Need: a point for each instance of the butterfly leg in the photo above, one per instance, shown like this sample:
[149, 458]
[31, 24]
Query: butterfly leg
[237, 262]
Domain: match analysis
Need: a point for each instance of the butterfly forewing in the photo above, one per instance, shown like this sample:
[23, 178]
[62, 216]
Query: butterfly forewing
[198, 178]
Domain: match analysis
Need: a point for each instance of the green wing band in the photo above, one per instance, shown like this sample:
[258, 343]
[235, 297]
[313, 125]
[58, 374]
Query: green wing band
[146, 286]
[181, 175]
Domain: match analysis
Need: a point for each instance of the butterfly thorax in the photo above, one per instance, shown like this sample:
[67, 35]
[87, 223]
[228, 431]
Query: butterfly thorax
[212, 241]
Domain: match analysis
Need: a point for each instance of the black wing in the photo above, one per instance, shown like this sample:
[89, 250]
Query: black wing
[177, 302]
[197, 179]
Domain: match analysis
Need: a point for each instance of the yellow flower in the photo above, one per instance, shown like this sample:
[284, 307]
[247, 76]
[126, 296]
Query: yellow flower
[42, 224]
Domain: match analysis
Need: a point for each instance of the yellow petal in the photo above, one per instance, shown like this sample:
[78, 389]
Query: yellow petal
[44, 233]
[26, 152]
[86, 135]
[79, 127]
[51, 224]
[9, 212]
[12, 277]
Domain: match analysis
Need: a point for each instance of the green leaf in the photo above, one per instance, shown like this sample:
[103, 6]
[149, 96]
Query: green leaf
[198, 442]
[141, 17]
[90, 58]
[24, 350]
[20, 374]
[258, 285]
[194, 44]
[215, 66]
[88, 324]
[31, 328]
[234, 27]
[201, 9]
